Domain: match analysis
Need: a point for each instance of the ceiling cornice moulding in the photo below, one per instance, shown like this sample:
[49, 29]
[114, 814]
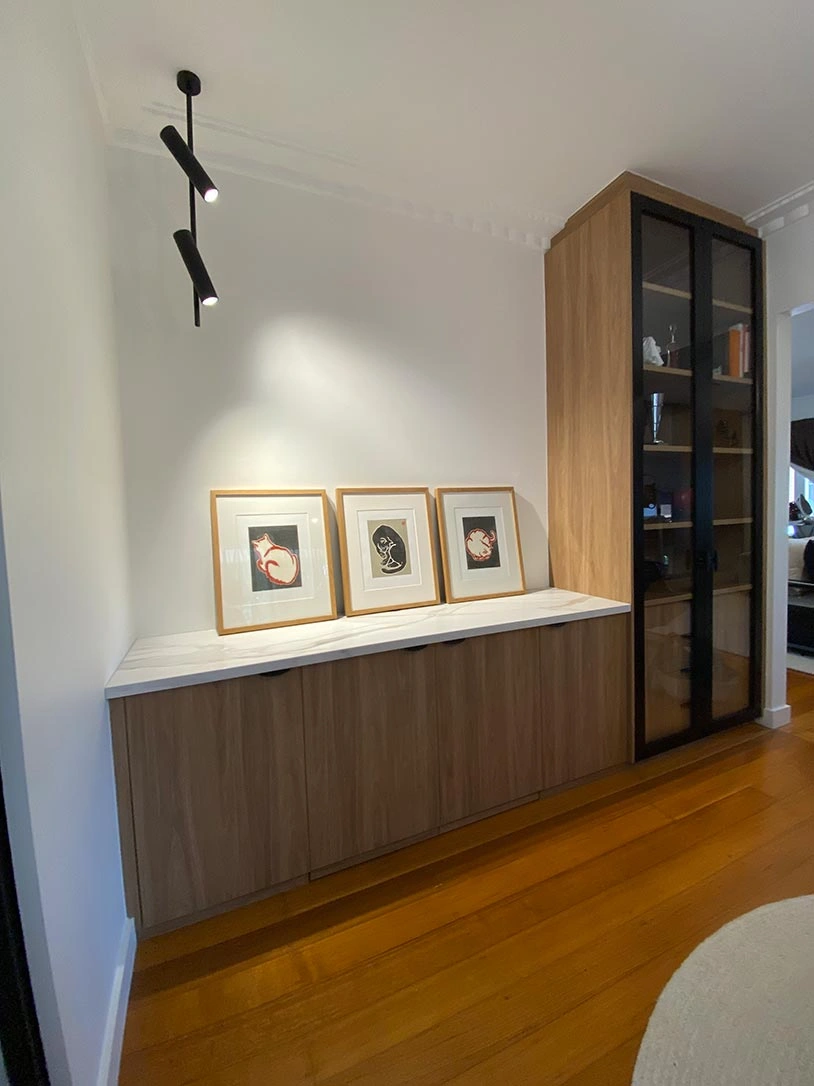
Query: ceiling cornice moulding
[531, 229]
[784, 211]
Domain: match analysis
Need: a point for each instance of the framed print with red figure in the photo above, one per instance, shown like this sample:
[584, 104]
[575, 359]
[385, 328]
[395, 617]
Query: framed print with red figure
[272, 558]
[480, 542]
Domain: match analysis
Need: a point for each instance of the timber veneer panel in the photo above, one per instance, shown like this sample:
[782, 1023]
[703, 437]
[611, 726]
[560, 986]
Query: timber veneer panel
[585, 669]
[489, 722]
[589, 406]
[218, 792]
[371, 752]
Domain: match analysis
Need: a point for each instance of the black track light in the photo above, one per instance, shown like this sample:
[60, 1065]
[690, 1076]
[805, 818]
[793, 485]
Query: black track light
[203, 292]
[197, 175]
[196, 267]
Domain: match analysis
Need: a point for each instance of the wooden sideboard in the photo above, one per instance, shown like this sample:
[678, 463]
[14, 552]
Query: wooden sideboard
[232, 790]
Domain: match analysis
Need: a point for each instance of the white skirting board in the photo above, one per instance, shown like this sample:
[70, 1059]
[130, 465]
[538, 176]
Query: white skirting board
[777, 717]
[117, 1011]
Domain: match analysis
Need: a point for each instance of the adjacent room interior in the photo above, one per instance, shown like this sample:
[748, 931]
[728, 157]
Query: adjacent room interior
[406, 641]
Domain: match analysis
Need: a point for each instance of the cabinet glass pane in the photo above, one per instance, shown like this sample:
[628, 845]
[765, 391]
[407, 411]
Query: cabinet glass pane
[667, 647]
[667, 445]
[666, 294]
[733, 417]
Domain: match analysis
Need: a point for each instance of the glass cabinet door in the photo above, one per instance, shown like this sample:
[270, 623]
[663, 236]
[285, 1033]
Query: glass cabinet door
[666, 571]
[733, 475]
[697, 357]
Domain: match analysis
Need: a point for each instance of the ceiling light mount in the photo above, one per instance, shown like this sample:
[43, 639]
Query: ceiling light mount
[188, 83]
[184, 154]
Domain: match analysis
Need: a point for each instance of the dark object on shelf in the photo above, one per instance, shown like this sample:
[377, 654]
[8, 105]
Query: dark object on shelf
[652, 572]
[673, 360]
[794, 512]
[682, 503]
[650, 500]
[725, 435]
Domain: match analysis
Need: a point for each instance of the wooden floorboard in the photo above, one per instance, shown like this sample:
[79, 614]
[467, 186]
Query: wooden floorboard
[529, 948]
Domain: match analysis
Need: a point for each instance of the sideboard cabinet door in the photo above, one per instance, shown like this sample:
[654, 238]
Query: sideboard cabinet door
[585, 668]
[218, 791]
[489, 722]
[371, 753]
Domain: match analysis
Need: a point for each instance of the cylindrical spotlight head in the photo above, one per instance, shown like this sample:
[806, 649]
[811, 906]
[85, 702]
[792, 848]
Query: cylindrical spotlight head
[198, 176]
[196, 267]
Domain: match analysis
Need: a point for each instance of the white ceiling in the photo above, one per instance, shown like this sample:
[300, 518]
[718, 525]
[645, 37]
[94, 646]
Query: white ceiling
[515, 110]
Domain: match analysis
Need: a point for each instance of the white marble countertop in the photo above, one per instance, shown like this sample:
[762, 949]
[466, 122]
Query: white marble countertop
[162, 663]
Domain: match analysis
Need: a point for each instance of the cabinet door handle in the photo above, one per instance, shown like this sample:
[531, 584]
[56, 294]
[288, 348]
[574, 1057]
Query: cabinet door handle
[274, 674]
[555, 625]
[415, 648]
[455, 641]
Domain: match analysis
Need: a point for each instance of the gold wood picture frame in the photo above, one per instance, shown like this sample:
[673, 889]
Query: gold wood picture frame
[272, 558]
[386, 547]
[480, 542]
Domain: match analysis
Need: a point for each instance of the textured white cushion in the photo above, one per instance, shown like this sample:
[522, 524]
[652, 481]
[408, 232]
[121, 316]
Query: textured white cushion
[797, 549]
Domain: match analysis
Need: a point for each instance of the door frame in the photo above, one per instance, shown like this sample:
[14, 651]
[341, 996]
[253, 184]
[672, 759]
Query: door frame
[20, 1041]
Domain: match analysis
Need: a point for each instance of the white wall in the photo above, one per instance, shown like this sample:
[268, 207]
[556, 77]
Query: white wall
[351, 347]
[789, 286]
[802, 407]
[65, 576]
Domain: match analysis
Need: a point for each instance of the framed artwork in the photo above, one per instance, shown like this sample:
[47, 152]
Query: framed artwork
[480, 542]
[385, 540]
[272, 558]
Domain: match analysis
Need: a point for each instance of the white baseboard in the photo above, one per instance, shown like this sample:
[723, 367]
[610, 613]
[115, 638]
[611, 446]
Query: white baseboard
[777, 717]
[117, 1011]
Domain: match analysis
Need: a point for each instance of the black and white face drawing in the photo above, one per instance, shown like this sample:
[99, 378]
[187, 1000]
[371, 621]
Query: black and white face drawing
[389, 548]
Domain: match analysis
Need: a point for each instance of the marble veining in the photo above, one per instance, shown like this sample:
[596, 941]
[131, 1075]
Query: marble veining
[162, 663]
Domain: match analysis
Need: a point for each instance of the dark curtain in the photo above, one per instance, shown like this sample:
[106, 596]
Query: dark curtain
[802, 444]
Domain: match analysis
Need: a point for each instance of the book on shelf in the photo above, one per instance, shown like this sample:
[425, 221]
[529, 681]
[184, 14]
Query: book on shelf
[739, 357]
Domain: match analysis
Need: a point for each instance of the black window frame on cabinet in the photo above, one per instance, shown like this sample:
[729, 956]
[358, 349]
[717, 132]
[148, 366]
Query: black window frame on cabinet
[702, 233]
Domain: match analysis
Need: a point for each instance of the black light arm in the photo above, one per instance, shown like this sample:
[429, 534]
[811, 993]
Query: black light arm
[197, 175]
[204, 288]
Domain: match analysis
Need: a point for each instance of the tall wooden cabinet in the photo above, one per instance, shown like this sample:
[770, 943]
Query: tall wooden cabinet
[654, 308]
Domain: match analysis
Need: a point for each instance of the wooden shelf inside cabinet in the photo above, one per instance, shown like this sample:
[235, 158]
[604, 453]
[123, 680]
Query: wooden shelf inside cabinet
[685, 295]
[668, 524]
[666, 371]
[728, 590]
[662, 525]
[672, 292]
[733, 307]
[719, 449]
[726, 379]
[660, 600]
[668, 448]
[657, 598]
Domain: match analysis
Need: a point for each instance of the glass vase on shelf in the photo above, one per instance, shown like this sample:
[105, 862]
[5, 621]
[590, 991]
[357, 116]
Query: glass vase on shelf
[671, 350]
